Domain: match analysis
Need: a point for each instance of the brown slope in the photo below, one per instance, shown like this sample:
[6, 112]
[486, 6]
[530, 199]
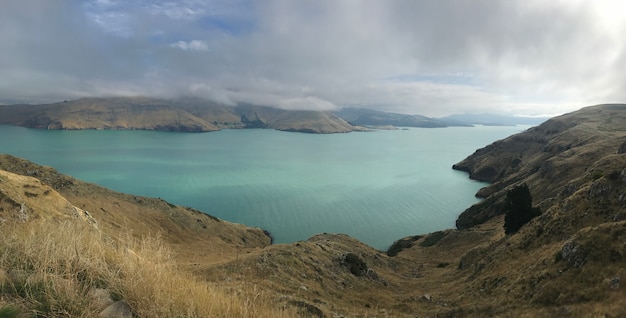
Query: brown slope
[59, 260]
[105, 113]
[567, 262]
[220, 115]
[183, 114]
[196, 235]
[311, 122]
[24, 199]
[318, 274]
[316, 122]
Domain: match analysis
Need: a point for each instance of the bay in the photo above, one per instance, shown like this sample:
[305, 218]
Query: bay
[375, 186]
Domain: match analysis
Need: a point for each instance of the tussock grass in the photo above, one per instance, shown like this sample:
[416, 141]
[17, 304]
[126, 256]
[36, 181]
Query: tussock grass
[54, 268]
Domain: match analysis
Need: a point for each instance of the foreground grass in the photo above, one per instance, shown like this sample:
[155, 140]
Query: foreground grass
[58, 268]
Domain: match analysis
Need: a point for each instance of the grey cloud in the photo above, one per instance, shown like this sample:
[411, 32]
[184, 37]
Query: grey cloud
[404, 56]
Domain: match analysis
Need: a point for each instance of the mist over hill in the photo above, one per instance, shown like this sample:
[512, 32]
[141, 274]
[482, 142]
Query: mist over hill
[494, 119]
[375, 118]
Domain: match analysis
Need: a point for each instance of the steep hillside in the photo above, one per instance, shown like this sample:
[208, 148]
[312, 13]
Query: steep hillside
[56, 260]
[557, 158]
[25, 198]
[570, 260]
[185, 114]
[192, 231]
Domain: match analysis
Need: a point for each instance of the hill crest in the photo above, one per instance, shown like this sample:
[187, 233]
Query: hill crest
[178, 115]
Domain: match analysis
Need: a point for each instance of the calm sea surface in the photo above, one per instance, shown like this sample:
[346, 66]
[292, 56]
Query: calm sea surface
[375, 186]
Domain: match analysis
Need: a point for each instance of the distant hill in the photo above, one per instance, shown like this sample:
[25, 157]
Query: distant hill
[493, 119]
[199, 115]
[183, 115]
[374, 118]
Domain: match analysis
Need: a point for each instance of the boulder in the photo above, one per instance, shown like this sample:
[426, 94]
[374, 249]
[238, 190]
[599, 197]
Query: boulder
[573, 254]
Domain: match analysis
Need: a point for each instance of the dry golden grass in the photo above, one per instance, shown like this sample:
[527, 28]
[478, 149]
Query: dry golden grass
[53, 268]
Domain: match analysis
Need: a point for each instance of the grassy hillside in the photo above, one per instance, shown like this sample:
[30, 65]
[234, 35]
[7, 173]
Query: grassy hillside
[71, 248]
[58, 260]
[558, 158]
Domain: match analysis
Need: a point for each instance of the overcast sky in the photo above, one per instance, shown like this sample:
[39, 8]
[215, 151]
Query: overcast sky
[431, 58]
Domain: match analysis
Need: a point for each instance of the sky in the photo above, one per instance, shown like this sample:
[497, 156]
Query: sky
[433, 58]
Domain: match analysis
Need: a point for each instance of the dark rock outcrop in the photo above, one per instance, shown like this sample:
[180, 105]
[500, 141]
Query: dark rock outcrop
[573, 254]
[402, 244]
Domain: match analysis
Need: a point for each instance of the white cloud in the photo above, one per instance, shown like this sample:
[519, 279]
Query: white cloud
[179, 10]
[106, 15]
[194, 45]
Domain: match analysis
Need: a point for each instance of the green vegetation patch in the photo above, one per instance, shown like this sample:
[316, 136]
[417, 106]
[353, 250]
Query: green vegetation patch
[9, 311]
[518, 209]
[355, 264]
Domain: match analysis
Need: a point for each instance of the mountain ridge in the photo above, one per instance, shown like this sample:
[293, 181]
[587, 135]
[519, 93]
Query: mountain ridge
[375, 118]
[178, 115]
[189, 114]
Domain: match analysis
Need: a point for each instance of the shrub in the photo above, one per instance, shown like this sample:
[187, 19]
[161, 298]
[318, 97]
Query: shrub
[355, 264]
[597, 175]
[518, 209]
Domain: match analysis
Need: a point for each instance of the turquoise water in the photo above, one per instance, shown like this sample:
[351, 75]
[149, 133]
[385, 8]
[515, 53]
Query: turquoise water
[375, 186]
